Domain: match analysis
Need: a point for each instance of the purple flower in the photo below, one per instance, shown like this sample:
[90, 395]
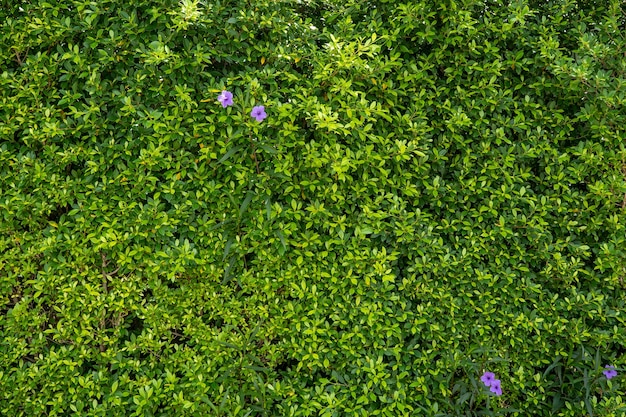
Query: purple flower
[258, 113]
[226, 98]
[488, 378]
[610, 372]
[495, 387]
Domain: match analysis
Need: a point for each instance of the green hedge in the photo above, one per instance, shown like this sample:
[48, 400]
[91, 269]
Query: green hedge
[438, 190]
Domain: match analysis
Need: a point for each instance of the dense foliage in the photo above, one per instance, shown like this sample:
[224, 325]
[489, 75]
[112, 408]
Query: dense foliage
[438, 191]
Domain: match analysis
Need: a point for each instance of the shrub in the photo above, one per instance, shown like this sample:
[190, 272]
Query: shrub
[438, 191]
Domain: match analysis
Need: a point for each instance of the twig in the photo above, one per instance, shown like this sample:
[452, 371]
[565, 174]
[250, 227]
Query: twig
[624, 201]
[19, 57]
[105, 287]
[256, 162]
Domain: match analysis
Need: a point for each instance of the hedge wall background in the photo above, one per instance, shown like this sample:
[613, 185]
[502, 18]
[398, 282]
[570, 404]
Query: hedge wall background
[439, 190]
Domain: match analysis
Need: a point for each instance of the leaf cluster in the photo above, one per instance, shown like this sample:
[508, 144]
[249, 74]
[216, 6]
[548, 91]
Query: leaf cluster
[439, 189]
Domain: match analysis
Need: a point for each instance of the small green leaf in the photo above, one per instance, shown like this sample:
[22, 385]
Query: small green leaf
[228, 154]
[246, 202]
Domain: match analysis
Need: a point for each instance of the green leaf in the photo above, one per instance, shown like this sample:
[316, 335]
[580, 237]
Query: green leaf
[228, 154]
[246, 202]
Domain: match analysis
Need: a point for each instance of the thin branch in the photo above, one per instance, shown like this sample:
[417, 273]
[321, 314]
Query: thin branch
[105, 286]
[253, 156]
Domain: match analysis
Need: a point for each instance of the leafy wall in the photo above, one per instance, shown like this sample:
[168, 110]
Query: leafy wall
[438, 190]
